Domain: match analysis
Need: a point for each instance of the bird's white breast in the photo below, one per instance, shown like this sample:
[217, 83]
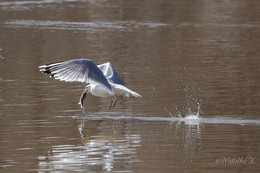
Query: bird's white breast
[99, 91]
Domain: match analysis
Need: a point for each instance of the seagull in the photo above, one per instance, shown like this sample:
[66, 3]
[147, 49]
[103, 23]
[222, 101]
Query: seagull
[102, 80]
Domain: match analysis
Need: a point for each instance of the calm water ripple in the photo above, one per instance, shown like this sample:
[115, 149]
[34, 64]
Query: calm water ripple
[83, 26]
[188, 119]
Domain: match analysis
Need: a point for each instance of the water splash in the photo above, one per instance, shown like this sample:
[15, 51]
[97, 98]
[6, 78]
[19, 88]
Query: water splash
[189, 112]
[194, 115]
[168, 112]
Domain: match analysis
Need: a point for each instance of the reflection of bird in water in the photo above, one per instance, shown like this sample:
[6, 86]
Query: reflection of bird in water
[103, 80]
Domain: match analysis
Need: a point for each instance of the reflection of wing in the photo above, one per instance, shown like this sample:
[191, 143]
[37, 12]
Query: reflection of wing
[111, 74]
[82, 70]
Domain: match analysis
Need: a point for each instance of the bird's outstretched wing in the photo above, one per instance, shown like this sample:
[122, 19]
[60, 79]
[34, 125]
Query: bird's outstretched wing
[110, 73]
[81, 70]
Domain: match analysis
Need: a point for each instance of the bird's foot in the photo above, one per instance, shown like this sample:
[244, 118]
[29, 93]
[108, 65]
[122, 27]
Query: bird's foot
[113, 102]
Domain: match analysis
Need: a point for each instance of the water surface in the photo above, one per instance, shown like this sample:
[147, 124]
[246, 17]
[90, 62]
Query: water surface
[196, 65]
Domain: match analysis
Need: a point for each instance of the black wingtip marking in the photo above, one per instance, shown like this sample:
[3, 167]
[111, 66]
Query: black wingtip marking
[47, 70]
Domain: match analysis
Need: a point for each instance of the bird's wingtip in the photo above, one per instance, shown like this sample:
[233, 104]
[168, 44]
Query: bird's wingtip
[138, 95]
[42, 66]
[135, 94]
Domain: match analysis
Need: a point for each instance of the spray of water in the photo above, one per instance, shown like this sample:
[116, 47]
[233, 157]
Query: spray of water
[194, 115]
[191, 112]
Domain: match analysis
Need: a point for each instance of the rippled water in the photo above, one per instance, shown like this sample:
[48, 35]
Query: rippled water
[195, 63]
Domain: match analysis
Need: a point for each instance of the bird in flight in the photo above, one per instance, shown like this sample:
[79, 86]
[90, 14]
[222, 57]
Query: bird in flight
[102, 80]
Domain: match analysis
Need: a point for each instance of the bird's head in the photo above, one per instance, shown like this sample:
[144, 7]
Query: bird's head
[87, 89]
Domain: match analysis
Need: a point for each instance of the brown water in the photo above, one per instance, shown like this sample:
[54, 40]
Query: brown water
[195, 63]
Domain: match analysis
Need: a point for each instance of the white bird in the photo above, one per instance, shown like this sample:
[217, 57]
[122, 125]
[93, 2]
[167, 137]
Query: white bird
[103, 80]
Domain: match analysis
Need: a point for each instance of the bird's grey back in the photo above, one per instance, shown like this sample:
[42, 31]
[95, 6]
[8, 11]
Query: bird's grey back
[110, 73]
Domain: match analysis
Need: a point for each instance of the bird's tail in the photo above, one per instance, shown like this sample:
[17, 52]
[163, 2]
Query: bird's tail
[132, 93]
[126, 91]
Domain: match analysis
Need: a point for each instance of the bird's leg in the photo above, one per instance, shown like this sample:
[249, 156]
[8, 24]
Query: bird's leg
[113, 102]
[118, 97]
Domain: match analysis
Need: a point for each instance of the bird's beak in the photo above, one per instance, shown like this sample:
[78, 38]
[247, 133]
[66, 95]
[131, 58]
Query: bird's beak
[82, 97]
